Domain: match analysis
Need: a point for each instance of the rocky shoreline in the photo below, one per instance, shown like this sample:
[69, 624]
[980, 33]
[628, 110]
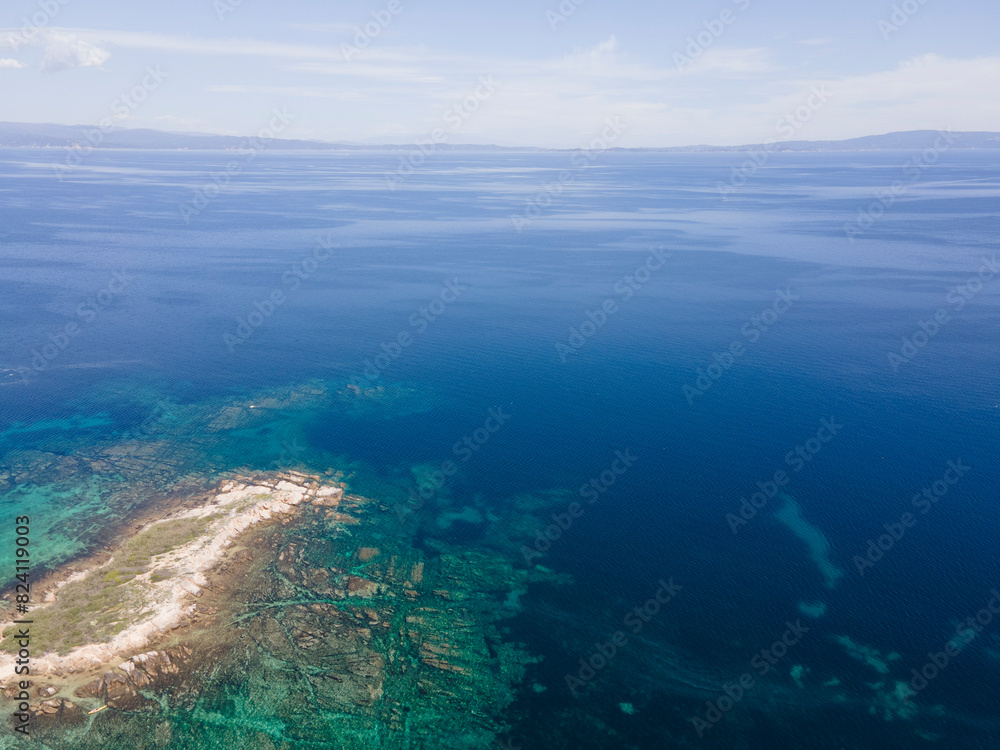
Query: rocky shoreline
[209, 605]
[297, 614]
[174, 589]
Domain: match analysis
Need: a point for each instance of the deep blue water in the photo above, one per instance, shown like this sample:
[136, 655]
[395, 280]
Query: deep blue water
[825, 356]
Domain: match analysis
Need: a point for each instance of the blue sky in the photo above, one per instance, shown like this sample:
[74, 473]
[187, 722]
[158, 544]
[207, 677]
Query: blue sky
[518, 73]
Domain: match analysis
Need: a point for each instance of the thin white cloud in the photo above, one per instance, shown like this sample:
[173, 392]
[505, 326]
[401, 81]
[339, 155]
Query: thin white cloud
[732, 61]
[248, 47]
[392, 129]
[65, 51]
[305, 91]
[180, 123]
[602, 52]
[924, 92]
[405, 74]
[730, 104]
[605, 59]
[324, 28]
[387, 64]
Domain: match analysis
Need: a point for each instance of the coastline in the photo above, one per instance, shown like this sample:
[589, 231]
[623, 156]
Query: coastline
[175, 581]
[311, 599]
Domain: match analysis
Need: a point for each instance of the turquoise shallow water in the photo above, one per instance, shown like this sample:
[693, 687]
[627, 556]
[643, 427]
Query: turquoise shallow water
[144, 388]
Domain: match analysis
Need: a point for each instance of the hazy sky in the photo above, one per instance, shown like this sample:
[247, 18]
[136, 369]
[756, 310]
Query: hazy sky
[521, 72]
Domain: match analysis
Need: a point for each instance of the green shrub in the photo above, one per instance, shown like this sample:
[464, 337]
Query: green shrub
[66, 624]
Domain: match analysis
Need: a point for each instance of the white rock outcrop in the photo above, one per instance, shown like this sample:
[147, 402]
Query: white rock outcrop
[170, 603]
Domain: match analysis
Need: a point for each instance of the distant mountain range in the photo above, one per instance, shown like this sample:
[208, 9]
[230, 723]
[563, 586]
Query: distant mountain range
[29, 135]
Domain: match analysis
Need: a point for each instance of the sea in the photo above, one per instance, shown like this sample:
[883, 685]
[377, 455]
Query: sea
[765, 393]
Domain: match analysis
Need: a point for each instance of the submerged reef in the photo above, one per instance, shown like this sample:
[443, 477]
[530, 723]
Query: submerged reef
[291, 620]
[193, 605]
[205, 576]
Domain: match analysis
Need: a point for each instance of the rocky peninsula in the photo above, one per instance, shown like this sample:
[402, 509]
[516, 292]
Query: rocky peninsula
[153, 583]
[331, 621]
[195, 604]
